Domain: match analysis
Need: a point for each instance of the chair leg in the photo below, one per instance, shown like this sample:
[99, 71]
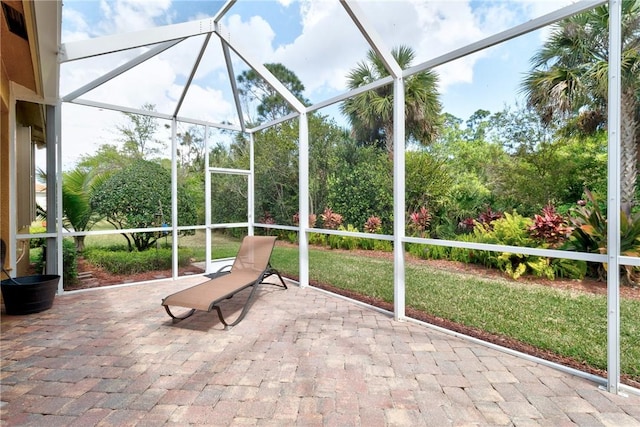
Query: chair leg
[271, 272]
[178, 318]
[245, 310]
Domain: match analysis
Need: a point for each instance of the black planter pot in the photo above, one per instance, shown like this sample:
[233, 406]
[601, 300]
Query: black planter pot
[31, 294]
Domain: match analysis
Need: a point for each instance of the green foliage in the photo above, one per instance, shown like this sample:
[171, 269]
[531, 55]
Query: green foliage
[511, 230]
[344, 242]
[590, 235]
[590, 226]
[362, 185]
[37, 242]
[420, 222]
[371, 113]
[105, 160]
[133, 198]
[568, 79]
[138, 134]
[324, 138]
[428, 182]
[69, 261]
[191, 147]
[253, 88]
[276, 172]
[193, 194]
[125, 262]
[382, 245]
[550, 228]
[229, 198]
[568, 268]
[511, 264]
[422, 251]
[318, 239]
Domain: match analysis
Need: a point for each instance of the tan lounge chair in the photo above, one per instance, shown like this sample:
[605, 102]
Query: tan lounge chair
[250, 268]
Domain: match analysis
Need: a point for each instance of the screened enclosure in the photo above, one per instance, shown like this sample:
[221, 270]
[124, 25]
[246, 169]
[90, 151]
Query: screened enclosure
[240, 142]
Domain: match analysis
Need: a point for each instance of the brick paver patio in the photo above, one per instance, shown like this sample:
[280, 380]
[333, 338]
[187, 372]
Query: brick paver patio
[112, 357]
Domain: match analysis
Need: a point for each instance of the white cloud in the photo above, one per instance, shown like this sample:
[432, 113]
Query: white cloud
[285, 3]
[255, 36]
[85, 130]
[208, 104]
[132, 15]
[330, 45]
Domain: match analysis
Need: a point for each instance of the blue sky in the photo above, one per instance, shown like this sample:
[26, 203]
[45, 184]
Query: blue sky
[313, 38]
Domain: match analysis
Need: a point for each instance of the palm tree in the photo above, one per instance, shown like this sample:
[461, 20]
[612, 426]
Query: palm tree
[371, 113]
[569, 79]
[77, 186]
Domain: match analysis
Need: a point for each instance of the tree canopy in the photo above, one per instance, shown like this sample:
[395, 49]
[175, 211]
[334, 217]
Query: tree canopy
[371, 113]
[135, 196]
[569, 79]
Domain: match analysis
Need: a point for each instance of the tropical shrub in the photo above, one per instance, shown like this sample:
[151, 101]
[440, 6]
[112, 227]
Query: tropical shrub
[467, 225]
[124, 262]
[512, 230]
[69, 261]
[550, 229]
[382, 245]
[361, 184]
[589, 231]
[36, 242]
[134, 196]
[569, 268]
[488, 216]
[373, 225]
[312, 219]
[590, 235]
[344, 242]
[330, 219]
[420, 221]
[318, 239]
[507, 229]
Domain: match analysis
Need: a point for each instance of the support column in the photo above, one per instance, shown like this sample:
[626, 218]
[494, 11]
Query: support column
[613, 199]
[251, 196]
[174, 198]
[303, 202]
[53, 258]
[398, 200]
[207, 203]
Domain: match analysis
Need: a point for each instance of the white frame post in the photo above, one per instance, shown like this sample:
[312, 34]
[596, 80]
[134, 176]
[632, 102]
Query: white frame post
[399, 289]
[207, 204]
[613, 199]
[251, 204]
[303, 201]
[54, 164]
[174, 197]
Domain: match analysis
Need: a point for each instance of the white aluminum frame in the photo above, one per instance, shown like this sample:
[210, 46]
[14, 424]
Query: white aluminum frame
[167, 36]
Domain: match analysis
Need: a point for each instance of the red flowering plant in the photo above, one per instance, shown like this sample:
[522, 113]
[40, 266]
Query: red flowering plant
[550, 228]
[488, 216]
[312, 219]
[330, 219]
[373, 225]
[420, 221]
